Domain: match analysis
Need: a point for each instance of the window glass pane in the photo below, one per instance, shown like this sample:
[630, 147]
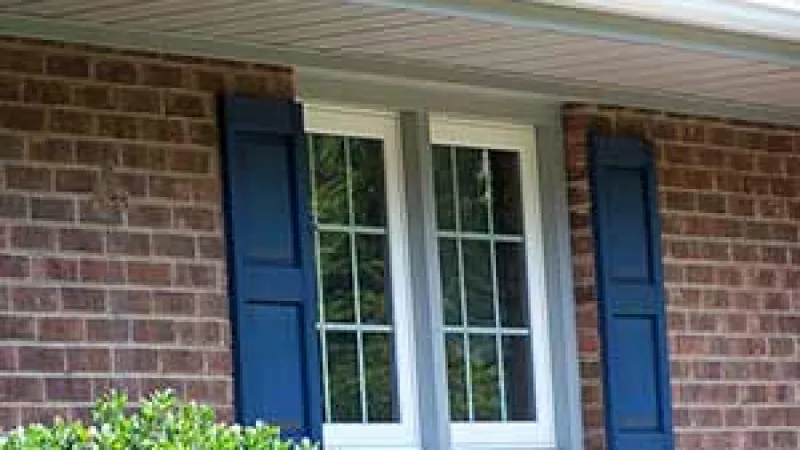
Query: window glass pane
[456, 377]
[355, 321]
[511, 284]
[443, 180]
[336, 273]
[472, 184]
[372, 279]
[367, 177]
[483, 280]
[330, 202]
[485, 376]
[380, 377]
[343, 379]
[451, 292]
[506, 193]
[478, 282]
[518, 373]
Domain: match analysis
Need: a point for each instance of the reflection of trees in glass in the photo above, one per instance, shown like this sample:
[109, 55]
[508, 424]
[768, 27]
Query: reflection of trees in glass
[349, 192]
[330, 202]
[336, 277]
[485, 372]
[380, 377]
[469, 185]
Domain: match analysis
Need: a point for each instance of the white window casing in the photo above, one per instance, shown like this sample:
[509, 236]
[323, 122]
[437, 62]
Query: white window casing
[323, 118]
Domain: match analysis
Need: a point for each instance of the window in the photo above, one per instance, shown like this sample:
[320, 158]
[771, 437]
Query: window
[363, 321]
[491, 278]
[494, 329]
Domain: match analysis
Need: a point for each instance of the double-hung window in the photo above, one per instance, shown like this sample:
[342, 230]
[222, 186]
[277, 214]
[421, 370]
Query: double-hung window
[488, 262]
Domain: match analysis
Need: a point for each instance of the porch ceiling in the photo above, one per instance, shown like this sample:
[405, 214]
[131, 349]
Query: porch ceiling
[509, 47]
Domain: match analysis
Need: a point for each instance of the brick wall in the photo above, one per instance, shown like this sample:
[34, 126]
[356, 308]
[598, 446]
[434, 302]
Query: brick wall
[111, 250]
[730, 206]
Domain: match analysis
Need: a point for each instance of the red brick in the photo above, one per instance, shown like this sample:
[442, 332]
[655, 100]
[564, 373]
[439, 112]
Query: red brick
[22, 60]
[72, 66]
[208, 80]
[201, 133]
[68, 389]
[83, 299]
[125, 243]
[206, 190]
[161, 331]
[56, 268]
[46, 209]
[135, 360]
[24, 118]
[107, 330]
[17, 328]
[129, 301]
[190, 161]
[76, 180]
[115, 71]
[12, 206]
[117, 126]
[152, 274]
[31, 298]
[195, 275]
[11, 147]
[48, 92]
[88, 360]
[32, 237]
[149, 216]
[10, 88]
[163, 76]
[781, 143]
[173, 245]
[42, 359]
[162, 130]
[28, 178]
[213, 248]
[92, 96]
[21, 389]
[196, 219]
[53, 150]
[14, 266]
[181, 361]
[199, 333]
[187, 105]
[141, 100]
[60, 329]
[70, 121]
[78, 240]
[94, 211]
[101, 271]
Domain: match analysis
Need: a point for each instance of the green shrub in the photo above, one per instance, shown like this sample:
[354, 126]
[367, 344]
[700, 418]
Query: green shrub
[161, 422]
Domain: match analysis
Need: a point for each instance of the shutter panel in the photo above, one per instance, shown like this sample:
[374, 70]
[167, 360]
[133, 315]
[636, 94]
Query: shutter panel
[630, 294]
[271, 279]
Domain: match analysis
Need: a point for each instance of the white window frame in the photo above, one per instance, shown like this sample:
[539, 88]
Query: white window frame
[384, 125]
[449, 130]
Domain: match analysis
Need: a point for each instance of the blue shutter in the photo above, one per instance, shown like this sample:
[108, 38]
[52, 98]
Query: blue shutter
[630, 294]
[271, 278]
